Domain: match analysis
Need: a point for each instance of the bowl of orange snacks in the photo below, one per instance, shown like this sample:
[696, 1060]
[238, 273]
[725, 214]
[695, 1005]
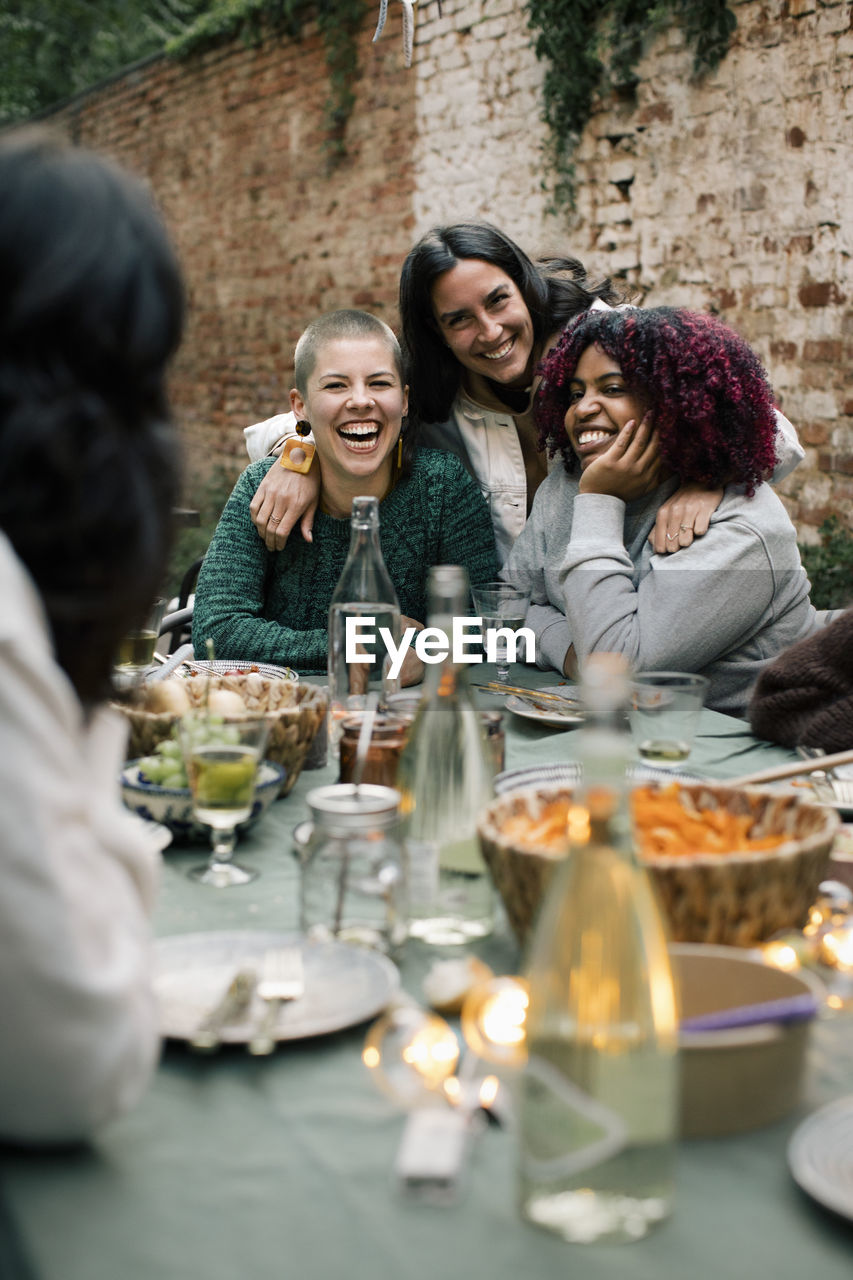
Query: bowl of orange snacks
[731, 865]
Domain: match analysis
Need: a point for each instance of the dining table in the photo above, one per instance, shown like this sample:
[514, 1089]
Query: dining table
[240, 1167]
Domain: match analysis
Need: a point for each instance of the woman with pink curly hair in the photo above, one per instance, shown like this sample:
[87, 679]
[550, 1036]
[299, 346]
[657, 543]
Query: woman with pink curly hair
[638, 402]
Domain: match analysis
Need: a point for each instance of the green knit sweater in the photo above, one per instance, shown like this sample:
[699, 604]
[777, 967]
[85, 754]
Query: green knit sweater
[272, 606]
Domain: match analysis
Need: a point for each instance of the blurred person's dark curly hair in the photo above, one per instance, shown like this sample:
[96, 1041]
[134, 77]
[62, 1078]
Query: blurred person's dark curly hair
[91, 308]
[554, 290]
[708, 392]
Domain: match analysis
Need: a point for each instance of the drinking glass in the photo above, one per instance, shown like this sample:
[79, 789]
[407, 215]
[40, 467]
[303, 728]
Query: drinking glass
[136, 649]
[222, 758]
[501, 607]
[664, 714]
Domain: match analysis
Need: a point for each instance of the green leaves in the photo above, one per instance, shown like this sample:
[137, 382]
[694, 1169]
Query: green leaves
[593, 48]
[53, 49]
[829, 566]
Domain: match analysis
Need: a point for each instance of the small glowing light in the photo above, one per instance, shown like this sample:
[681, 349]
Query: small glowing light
[836, 947]
[493, 1018]
[577, 824]
[835, 1002]
[817, 919]
[453, 1089]
[781, 955]
[410, 1053]
[489, 1086]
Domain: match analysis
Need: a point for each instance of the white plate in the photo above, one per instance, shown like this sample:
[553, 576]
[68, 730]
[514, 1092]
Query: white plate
[567, 773]
[344, 985]
[820, 1156]
[801, 787]
[565, 718]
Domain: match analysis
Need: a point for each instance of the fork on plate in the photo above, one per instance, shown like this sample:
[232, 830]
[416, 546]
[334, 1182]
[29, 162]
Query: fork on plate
[281, 980]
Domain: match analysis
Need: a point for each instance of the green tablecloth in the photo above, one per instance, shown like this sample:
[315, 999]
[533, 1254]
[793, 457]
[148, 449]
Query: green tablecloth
[236, 1168]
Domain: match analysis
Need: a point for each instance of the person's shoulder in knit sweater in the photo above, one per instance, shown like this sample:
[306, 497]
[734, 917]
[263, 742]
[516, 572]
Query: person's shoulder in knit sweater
[267, 606]
[805, 697]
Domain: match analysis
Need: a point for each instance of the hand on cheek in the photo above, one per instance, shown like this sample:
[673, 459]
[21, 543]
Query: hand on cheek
[630, 468]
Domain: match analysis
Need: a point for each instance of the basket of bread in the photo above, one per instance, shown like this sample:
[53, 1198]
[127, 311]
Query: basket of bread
[731, 865]
[295, 712]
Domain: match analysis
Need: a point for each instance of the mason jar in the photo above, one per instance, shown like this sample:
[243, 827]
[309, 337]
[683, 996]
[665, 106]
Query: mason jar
[352, 880]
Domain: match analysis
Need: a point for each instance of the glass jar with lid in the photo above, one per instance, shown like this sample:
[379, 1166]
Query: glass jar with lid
[352, 879]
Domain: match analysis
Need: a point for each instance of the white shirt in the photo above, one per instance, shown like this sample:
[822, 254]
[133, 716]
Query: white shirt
[78, 873]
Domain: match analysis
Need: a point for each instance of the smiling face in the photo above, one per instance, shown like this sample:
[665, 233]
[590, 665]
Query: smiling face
[355, 400]
[599, 405]
[485, 322]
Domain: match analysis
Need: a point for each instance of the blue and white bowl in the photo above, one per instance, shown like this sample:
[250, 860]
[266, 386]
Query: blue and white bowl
[172, 806]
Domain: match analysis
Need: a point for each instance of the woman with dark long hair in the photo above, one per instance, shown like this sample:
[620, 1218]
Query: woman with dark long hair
[477, 317]
[91, 311]
[636, 403]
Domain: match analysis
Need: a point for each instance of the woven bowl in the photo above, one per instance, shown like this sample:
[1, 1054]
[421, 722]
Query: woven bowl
[295, 712]
[736, 899]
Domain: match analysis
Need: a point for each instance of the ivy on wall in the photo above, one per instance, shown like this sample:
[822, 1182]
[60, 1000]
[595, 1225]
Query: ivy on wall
[339, 22]
[591, 47]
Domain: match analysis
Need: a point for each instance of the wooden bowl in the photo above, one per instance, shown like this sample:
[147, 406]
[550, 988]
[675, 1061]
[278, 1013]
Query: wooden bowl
[295, 712]
[739, 1078]
[736, 899]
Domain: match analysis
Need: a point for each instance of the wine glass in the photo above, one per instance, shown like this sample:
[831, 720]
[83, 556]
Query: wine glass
[502, 607]
[136, 648]
[222, 758]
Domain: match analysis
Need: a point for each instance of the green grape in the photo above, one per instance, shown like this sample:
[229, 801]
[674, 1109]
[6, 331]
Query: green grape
[150, 768]
[174, 780]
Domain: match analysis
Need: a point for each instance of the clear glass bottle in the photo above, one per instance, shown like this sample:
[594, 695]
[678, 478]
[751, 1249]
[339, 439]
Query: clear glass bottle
[364, 590]
[598, 1096]
[445, 779]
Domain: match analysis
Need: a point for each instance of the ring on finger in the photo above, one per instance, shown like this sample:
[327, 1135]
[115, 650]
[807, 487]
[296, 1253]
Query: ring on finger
[672, 537]
[686, 528]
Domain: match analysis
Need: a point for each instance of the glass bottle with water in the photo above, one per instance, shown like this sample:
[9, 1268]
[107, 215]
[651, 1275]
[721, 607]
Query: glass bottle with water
[364, 613]
[445, 779]
[598, 1096]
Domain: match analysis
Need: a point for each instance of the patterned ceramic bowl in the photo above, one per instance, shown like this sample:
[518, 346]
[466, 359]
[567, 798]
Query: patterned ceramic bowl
[172, 806]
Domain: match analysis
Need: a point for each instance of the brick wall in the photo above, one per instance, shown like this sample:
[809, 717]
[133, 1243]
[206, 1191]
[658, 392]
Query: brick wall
[734, 193]
[234, 145]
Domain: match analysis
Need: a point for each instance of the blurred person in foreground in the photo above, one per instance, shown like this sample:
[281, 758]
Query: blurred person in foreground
[91, 307]
[638, 402]
[805, 697]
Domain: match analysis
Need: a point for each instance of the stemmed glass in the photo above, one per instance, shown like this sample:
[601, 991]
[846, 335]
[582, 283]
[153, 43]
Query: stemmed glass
[136, 649]
[500, 606]
[222, 759]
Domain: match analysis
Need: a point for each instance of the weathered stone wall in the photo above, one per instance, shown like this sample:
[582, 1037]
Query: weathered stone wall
[734, 193]
[480, 140]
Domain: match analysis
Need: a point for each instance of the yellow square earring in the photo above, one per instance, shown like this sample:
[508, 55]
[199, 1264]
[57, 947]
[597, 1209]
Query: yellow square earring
[304, 451]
